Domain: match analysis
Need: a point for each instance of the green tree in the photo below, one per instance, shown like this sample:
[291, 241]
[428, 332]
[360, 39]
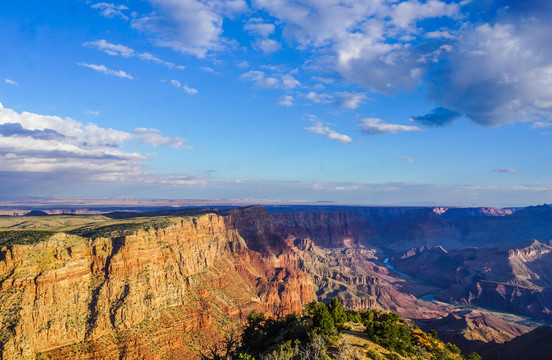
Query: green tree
[322, 320]
[338, 313]
[453, 348]
[473, 356]
[433, 333]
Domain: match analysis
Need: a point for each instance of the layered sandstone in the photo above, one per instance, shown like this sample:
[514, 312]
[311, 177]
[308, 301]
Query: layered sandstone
[165, 292]
[509, 278]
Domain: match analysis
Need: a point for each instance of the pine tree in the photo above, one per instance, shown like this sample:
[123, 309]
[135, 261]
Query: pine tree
[338, 313]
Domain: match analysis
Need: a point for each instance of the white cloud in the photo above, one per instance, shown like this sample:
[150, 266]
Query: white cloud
[324, 80]
[111, 49]
[507, 67]
[259, 28]
[208, 69]
[349, 99]
[10, 82]
[276, 81]
[344, 99]
[409, 159]
[268, 46]
[541, 124]
[406, 13]
[285, 100]
[319, 98]
[188, 26]
[35, 143]
[228, 7]
[367, 42]
[154, 138]
[126, 52]
[320, 129]
[439, 35]
[189, 90]
[110, 10]
[105, 70]
[92, 112]
[374, 126]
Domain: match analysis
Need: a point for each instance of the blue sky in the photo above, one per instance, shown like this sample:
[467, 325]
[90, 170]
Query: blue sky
[354, 101]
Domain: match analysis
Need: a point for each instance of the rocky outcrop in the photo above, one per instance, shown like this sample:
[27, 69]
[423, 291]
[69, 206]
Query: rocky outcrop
[138, 296]
[534, 345]
[515, 279]
[326, 228]
[398, 229]
[473, 330]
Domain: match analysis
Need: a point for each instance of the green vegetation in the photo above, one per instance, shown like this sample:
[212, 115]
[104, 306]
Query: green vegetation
[119, 229]
[326, 332]
[19, 230]
[23, 237]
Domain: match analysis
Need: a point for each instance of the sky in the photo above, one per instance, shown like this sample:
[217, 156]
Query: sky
[372, 102]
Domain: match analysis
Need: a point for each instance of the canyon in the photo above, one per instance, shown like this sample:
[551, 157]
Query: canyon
[171, 283]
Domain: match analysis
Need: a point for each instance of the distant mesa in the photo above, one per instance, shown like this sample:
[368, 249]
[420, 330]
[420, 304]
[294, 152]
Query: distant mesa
[37, 213]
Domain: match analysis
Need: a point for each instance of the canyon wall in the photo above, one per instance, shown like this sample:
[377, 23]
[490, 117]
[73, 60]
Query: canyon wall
[511, 278]
[157, 293]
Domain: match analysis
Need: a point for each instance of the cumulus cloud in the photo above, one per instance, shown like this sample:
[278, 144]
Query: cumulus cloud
[374, 126]
[319, 98]
[493, 71]
[188, 90]
[369, 40]
[267, 46]
[407, 13]
[437, 117]
[35, 143]
[105, 70]
[499, 72]
[110, 10]
[285, 100]
[275, 81]
[262, 30]
[188, 26]
[319, 128]
[10, 82]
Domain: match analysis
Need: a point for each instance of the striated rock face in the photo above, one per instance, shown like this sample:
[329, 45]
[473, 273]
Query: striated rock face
[473, 330]
[327, 229]
[165, 292]
[509, 278]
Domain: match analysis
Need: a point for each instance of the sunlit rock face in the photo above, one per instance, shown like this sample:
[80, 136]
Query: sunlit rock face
[168, 291]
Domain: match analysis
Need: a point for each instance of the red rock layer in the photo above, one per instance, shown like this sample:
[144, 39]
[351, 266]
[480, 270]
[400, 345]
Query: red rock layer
[157, 293]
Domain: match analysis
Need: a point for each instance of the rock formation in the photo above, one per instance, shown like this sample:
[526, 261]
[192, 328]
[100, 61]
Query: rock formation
[509, 278]
[165, 292]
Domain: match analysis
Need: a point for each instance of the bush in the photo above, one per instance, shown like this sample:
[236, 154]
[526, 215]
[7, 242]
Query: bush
[387, 332]
[453, 348]
[394, 356]
[473, 356]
